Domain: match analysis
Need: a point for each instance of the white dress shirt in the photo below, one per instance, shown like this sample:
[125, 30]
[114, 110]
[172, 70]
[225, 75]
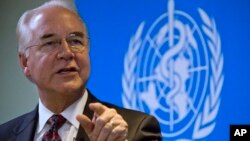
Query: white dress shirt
[69, 129]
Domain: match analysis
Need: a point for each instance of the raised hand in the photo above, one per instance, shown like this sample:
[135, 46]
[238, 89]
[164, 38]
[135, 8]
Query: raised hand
[106, 125]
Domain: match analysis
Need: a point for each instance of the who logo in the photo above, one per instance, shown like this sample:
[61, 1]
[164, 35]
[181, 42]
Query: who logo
[174, 71]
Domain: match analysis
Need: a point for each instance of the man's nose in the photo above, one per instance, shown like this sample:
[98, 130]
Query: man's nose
[65, 51]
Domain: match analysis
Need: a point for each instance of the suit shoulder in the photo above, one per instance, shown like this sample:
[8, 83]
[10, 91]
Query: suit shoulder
[10, 125]
[126, 111]
[141, 126]
[133, 116]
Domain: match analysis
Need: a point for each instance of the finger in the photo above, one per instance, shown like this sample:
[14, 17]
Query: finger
[98, 108]
[105, 131]
[85, 123]
[117, 120]
[102, 121]
[118, 133]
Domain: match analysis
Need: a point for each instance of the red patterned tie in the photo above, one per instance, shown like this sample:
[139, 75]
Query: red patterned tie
[55, 122]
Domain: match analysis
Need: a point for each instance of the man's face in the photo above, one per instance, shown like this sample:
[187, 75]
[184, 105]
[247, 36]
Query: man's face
[62, 70]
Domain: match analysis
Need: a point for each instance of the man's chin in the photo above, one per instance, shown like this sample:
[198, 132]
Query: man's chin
[69, 88]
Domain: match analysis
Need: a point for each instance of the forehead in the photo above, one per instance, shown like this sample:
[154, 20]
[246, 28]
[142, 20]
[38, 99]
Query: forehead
[56, 20]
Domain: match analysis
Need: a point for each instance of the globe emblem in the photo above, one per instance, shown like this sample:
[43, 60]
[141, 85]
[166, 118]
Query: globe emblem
[172, 71]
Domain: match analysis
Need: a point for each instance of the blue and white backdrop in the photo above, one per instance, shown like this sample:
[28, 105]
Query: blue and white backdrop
[185, 62]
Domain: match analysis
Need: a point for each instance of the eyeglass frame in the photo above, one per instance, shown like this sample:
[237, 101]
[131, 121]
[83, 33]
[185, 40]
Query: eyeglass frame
[57, 42]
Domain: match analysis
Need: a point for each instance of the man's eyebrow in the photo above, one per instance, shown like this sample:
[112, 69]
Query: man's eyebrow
[79, 34]
[45, 36]
[49, 35]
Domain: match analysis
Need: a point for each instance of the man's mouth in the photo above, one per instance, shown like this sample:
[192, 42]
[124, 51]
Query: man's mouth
[68, 70]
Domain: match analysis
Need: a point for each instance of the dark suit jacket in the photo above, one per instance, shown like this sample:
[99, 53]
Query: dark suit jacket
[141, 127]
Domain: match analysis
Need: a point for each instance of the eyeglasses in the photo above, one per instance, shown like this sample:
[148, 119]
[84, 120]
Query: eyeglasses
[77, 42]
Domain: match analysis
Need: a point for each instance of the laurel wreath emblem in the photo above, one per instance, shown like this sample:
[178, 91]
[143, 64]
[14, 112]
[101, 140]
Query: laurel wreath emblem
[205, 121]
[128, 79]
[212, 101]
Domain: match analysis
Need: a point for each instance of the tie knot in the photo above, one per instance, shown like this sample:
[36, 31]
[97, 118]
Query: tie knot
[56, 121]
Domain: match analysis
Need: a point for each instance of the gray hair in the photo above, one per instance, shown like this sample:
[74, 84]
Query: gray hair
[24, 35]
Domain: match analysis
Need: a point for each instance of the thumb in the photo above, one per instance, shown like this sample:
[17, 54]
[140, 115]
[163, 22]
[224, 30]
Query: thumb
[85, 123]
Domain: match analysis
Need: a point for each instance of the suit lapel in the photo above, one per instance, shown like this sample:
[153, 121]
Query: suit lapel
[25, 131]
[81, 135]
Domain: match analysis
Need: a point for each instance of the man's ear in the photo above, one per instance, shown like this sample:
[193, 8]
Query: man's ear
[23, 61]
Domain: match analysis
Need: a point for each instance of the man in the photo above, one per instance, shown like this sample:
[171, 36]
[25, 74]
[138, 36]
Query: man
[54, 55]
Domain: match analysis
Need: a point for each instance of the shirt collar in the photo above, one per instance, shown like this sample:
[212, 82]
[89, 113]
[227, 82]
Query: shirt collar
[75, 109]
[69, 113]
